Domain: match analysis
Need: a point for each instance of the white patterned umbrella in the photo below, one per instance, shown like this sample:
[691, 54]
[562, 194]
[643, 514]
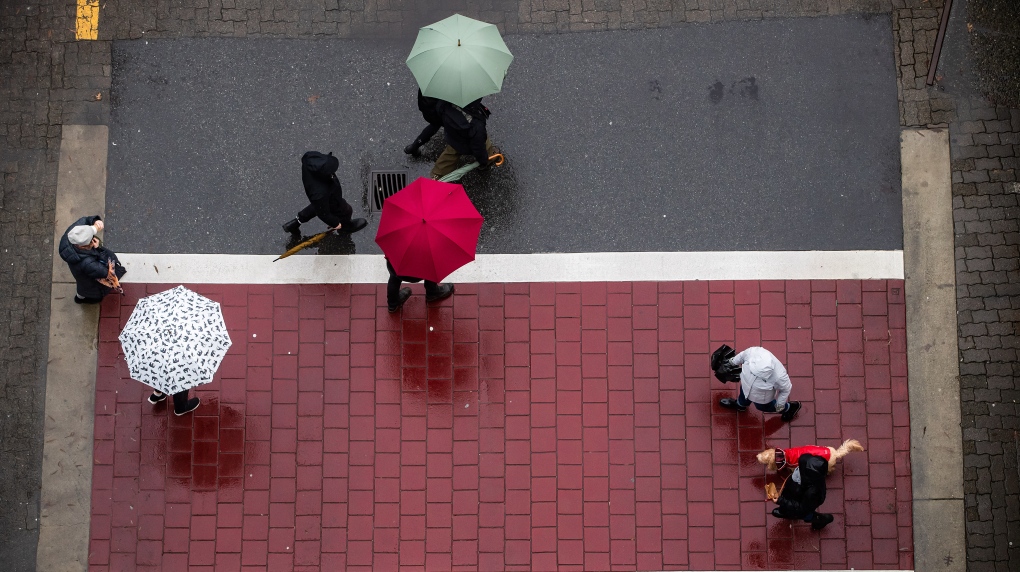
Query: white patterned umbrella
[175, 340]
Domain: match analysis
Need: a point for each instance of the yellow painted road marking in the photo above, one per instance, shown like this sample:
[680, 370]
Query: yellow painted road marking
[88, 20]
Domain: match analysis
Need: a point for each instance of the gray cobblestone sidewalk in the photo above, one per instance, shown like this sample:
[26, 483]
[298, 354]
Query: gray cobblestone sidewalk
[50, 79]
[29, 143]
[986, 161]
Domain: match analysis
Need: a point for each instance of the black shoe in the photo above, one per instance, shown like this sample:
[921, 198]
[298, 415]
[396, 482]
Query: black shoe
[730, 403]
[820, 521]
[292, 226]
[156, 397]
[791, 410]
[402, 297]
[412, 149]
[778, 513]
[354, 226]
[445, 291]
[192, 405]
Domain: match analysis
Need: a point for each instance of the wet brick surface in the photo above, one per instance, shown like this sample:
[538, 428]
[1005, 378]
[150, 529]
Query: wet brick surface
[523, 426]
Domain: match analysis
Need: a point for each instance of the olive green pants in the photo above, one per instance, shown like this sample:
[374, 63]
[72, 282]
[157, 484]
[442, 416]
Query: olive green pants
[449, 158]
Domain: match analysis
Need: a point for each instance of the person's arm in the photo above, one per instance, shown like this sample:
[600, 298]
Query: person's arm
[95, 268]
[108, 255]
[739, 359]
[478, 137]
[85, 221]
[783, 387]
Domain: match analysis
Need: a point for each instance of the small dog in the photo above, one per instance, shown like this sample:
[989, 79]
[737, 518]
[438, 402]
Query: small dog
[776, 459]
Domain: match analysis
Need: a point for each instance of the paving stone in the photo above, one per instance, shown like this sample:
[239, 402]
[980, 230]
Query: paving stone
[454, 435]
[988, 334]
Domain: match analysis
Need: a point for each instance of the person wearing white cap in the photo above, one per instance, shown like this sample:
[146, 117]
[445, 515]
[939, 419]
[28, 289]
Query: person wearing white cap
[90, 263]
[763, 382]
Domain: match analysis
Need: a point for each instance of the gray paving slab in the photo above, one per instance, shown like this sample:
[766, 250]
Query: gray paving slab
[769, 135]
[936, 441]
[65, 499]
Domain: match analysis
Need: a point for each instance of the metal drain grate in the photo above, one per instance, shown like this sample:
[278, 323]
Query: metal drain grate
[384, 185]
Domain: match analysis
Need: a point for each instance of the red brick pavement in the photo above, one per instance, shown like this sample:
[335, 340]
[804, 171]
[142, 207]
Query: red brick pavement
[518, 426]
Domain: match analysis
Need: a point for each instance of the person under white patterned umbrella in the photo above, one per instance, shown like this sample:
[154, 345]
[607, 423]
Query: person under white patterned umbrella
[173, 342]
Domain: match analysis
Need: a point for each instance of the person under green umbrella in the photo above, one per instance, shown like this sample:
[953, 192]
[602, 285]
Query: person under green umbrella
[466, 134]
[459, 60]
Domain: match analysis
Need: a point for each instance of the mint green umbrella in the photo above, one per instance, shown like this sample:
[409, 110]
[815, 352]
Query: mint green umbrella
[459, 60]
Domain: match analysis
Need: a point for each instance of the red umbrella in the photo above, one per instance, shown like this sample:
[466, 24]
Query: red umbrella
[429, 229]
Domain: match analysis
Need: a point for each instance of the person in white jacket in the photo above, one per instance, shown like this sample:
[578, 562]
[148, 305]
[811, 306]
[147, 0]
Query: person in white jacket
[763, 382]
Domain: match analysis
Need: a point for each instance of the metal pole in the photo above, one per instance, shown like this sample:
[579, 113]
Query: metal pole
[938, 41]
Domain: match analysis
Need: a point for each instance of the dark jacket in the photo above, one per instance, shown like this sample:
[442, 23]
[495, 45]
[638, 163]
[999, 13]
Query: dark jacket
[427, 107]
[318, 173]
[800, 500]
[465, 128]
[88, 265]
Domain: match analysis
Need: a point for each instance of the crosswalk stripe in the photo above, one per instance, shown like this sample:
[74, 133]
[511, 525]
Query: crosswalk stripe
[547, 267]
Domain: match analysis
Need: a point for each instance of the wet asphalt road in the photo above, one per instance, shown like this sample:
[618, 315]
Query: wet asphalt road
[771, 135]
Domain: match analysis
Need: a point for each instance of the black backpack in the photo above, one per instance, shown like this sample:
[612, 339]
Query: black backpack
[724, 370]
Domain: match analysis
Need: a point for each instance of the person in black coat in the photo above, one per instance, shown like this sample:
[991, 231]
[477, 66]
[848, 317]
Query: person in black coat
[466, 134]
[88, 261]
[318, 173]
[804, 492]
[427, 107]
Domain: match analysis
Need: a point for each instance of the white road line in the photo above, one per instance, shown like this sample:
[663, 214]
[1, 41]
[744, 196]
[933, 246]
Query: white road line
[553, 267]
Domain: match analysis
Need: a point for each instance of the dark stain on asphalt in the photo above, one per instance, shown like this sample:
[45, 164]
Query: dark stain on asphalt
[655, 89]
[716, 91]
[747, 87]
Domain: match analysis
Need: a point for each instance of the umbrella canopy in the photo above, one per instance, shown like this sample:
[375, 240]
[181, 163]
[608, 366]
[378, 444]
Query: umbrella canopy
[175, 340]
[459, 60]
[429, 229]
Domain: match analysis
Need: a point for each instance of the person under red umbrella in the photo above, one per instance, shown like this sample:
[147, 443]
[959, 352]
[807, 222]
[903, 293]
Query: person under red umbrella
[396, 296]
[427, 230]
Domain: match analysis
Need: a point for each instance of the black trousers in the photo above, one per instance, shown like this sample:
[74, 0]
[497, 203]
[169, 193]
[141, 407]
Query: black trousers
[393, 285]
[430, 130]
[181, 400]
[337, 207]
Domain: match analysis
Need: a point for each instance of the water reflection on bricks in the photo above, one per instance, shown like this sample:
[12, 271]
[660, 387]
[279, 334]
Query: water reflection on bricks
[517, 426]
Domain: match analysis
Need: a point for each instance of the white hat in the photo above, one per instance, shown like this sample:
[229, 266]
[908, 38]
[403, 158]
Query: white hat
[81, 235]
